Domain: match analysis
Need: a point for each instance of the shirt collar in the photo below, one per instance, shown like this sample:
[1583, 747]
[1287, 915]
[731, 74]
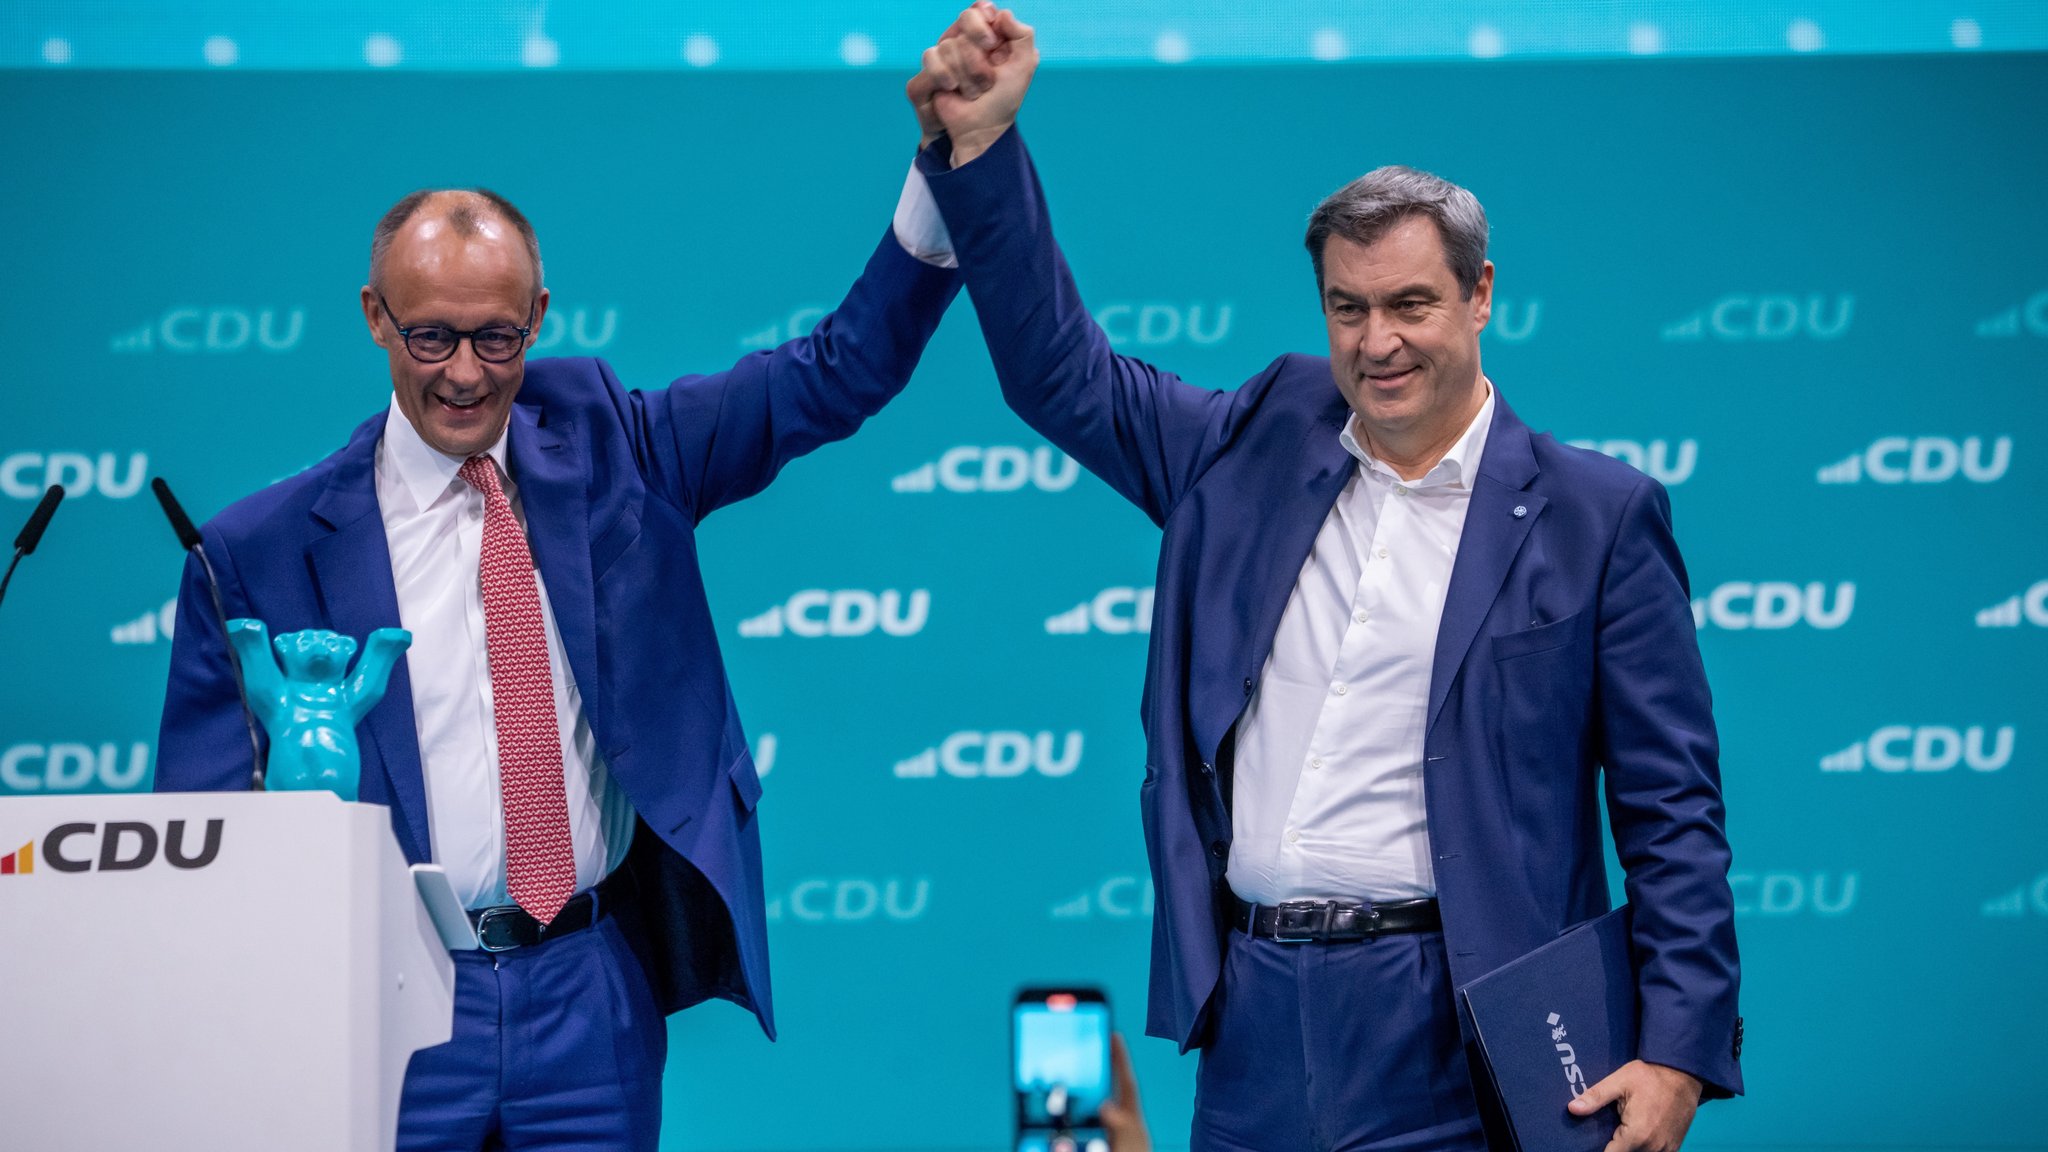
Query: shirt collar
[423, 470]
[1457, 467]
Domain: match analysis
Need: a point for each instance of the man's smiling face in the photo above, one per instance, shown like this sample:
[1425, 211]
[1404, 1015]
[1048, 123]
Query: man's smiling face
[1404, 337]
[435, 274]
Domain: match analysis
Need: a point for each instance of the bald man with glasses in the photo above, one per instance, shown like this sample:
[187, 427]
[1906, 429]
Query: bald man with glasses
[560, 736]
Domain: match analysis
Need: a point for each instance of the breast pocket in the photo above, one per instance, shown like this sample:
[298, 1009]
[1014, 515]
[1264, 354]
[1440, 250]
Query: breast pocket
[1543, 638]
[614, 542]
[1542, 682]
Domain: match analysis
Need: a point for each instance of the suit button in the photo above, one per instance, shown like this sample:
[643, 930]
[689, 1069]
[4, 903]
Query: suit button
[1219, 849]
[1247, 685]
[1208, 768]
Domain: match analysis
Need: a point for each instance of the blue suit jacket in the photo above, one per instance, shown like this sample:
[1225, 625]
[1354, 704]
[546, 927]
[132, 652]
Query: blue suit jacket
[1566, 644]
[614, 483]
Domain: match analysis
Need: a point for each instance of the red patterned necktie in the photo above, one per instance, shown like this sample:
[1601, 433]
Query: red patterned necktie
[540, 859]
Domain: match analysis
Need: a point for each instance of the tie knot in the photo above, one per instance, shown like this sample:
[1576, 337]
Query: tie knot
[479, 473]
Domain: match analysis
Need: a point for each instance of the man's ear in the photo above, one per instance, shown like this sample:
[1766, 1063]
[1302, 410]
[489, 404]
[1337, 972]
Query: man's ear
[540, 315]
[373, 315]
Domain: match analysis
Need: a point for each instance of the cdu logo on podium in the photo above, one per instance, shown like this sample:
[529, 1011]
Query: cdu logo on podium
[117, 846]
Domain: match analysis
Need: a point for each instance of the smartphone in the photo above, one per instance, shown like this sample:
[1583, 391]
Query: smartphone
[1059, 1044]
[1055, 1140]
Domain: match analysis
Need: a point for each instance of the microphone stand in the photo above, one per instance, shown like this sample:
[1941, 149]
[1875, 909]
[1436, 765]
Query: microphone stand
[32, 532]
[189, 538]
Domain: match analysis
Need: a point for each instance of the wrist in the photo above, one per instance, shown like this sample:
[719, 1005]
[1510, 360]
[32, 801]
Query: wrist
[968, 145]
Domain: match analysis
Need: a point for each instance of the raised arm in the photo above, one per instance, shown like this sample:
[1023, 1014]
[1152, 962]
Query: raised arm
[711, 440]
[1142, 429]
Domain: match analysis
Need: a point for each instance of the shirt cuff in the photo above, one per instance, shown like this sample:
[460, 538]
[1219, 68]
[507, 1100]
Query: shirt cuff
[919, 227]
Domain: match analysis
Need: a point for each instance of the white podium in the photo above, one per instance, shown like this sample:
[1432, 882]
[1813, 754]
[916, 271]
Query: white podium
[209, 971]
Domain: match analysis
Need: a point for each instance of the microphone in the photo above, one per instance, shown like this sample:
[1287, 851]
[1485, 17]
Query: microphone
[190, 540]
[31, 533]
[188, 536]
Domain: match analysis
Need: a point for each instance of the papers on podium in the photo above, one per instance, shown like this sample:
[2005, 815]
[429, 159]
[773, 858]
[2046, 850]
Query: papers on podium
[437, 896]
[1553, 1023]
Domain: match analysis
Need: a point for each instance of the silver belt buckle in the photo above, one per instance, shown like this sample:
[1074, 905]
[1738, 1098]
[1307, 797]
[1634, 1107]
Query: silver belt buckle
[1321, 930]
[483, 921]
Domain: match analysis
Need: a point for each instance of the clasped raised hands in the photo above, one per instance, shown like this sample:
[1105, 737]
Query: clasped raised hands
[974, 79]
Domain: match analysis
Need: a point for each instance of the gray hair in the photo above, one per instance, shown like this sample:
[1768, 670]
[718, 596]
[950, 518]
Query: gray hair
[465, 211]
[1363, 210]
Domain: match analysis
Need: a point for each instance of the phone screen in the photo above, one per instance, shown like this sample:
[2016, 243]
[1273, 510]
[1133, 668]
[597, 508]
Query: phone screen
[1062, 1058]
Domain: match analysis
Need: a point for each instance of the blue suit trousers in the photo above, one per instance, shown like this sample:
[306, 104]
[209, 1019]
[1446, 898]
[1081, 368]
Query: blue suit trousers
[1341, 1047]
[557, 1046]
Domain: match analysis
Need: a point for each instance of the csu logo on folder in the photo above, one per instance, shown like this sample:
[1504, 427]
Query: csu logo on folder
[121, 846]
[1574, 1077]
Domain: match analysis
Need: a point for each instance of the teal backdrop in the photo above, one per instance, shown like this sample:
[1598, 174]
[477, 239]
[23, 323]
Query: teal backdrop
[1809, 294]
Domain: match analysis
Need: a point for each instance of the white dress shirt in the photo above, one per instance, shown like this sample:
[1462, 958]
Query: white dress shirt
[1326, 796]
[918, 226]
[434, 525]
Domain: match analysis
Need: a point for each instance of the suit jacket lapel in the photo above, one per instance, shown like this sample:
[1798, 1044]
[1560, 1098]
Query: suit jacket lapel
[1291, 512]
[351, 568]
[1496, 523]
[554, 494]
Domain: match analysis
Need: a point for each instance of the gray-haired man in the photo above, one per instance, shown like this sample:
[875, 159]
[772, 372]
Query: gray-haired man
[1400, 645]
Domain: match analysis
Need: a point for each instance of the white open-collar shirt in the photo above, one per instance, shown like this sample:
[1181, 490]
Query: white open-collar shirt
[1326, 796]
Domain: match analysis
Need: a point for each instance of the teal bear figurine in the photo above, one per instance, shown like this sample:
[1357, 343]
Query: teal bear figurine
[310, 711]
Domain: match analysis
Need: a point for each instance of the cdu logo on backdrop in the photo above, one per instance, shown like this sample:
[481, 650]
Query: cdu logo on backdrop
[576, 329]
[1514, 320]
[24, 475]
[2023, 900]
[1742, 317]
[1001, 468]
[153, 625]
[994, 755]
[1659, 459]
[853, 900]
[1125, 897]
[1921, 460]
[1119, 611]
[1155, 323]
[816, 612]
[2029, 316]
[2029, 607]
[1824, 894]
[1773, 604]
[216, 330]
[1925, 748]
[778, 332]
[73, 767]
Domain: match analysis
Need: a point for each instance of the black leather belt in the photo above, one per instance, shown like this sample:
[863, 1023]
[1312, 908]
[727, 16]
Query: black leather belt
[508, 926]
[1334, 921]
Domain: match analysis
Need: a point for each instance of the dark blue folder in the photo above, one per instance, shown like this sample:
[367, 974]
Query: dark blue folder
[1553, 1023]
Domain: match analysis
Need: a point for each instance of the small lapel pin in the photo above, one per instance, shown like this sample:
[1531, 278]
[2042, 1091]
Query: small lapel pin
[1520, 511]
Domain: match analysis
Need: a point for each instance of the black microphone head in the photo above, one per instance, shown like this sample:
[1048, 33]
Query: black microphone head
[188, 536]
[32, 532]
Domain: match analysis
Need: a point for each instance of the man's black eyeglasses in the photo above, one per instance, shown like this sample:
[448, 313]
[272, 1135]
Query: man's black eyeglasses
[432, 343]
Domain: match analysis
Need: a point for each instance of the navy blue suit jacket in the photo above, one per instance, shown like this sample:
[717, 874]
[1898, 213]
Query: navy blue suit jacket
[614, 483]
[1566, 644]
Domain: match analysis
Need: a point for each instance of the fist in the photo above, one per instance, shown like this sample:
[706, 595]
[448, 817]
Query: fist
[974, 79]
